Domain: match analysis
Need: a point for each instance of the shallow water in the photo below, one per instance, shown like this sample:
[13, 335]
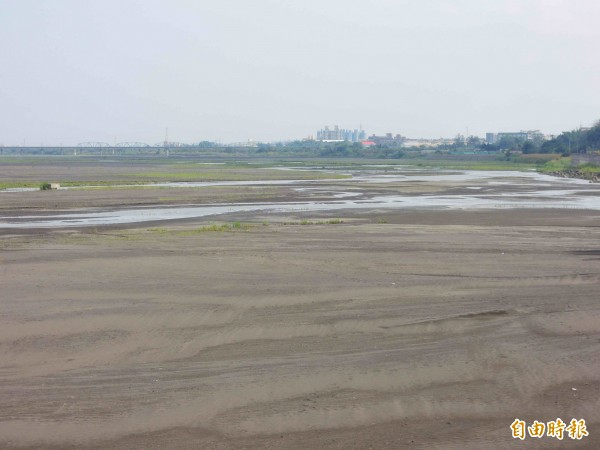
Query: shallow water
[479, 190]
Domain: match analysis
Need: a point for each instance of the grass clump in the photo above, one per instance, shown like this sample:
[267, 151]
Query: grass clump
[158, 230]
[223, 227]
[212, 228]
[209, 228]
[45, 187]
[316, 222]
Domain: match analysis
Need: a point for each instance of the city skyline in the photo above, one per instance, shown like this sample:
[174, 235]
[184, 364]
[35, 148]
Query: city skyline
[277, 70]
[325, 134]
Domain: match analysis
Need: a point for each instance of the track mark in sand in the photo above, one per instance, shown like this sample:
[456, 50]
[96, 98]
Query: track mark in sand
[580, 278]
[472, 315]
[569, 323]
[588, 253]
[484, 314]
[348, 408]
[66, 342]
[591, 252]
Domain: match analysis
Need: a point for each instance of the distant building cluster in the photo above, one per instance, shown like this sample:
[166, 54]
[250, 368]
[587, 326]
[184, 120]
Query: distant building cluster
[338, 134]
[428, 143]
[494, 138]
[389, 140]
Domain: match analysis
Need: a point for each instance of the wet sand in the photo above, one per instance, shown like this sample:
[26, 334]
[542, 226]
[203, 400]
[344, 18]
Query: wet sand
[392, 329]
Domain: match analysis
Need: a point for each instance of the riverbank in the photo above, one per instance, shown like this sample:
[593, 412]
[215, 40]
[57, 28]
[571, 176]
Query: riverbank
[572, 167]
[592, 177]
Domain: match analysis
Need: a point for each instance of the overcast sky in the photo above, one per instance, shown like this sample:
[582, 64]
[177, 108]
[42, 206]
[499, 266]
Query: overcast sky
[233, 70]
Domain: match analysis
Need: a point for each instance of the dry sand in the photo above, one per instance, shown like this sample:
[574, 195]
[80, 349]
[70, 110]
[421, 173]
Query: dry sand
[431, 330]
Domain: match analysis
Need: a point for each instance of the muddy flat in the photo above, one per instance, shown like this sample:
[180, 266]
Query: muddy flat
[361, 329]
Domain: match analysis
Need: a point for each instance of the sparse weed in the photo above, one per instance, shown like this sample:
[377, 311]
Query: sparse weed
[317, 222]
[235, 226]
[158, 230]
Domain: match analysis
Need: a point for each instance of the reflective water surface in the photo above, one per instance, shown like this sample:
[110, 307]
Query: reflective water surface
[460, 190]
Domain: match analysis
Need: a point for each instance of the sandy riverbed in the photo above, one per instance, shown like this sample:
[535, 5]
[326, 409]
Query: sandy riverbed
[393, 329]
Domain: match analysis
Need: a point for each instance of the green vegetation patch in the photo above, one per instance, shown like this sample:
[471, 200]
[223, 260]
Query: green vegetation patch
[18, 184]
[589, 168]
[98, 184]
[316, 222]
[556, 165]
[564, 166]
[472, 165]
[535, 158]
[211, 228]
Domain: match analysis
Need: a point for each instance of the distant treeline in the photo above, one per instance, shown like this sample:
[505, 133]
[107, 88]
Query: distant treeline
[582, 140]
